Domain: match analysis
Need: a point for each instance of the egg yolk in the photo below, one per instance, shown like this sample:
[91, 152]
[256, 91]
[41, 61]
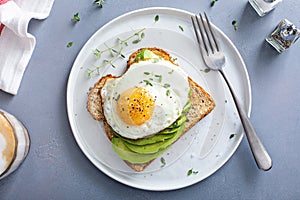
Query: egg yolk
[135, 106]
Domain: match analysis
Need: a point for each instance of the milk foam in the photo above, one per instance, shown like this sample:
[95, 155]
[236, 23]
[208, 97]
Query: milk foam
[11, 156]
[3, 161]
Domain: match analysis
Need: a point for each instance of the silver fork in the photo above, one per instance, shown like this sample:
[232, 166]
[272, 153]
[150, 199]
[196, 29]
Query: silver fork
[214, 59]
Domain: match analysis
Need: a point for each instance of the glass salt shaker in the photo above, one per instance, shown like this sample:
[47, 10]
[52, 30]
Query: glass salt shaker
[283, 36]
[263, 7]
[14, 143]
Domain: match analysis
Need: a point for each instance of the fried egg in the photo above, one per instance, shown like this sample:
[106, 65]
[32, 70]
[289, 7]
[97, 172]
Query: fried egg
[146, 99]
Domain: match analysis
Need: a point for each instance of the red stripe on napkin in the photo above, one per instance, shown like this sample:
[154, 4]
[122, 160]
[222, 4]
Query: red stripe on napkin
[1, 25]
[1, 28]
[3, 1]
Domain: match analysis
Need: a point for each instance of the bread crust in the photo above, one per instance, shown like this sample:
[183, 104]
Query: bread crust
[201, 101]
[94, 103]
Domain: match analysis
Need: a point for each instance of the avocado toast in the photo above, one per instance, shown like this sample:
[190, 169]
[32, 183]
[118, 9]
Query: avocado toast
[139, 153]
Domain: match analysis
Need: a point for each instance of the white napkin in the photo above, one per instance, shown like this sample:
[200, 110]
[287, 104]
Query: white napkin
[16, 44]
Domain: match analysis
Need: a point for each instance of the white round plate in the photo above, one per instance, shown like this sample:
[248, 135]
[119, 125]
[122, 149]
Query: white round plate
[203, 149]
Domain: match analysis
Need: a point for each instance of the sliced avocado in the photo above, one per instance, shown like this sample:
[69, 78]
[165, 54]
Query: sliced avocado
[187, 107]
[145, 54]
[126, 154]
[179, 121]
[169, 131]
[146, 149]
[150, 140]
[156, 147]
[190, 93]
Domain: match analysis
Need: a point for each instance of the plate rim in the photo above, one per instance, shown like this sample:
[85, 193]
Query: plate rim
[104, 169]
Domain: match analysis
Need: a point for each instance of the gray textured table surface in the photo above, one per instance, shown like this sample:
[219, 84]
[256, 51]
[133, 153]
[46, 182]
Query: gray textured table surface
[56, 168]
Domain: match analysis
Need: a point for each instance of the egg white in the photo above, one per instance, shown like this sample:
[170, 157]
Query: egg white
[163, 80]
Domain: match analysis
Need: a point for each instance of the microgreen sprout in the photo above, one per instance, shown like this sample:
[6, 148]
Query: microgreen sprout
[139, 36]
[163, 162]
[76, 18]
[191, 171]
[168, 93]
[232, 135]
[99, 3]
[70, 44]
[148, 82]
[115, 51]
[213, 3]
[181, 28]
[97, 53]
[234, 24]
[156, 18]
[206, 70]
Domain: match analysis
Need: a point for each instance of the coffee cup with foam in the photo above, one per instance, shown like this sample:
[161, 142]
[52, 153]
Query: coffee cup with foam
[14, 143]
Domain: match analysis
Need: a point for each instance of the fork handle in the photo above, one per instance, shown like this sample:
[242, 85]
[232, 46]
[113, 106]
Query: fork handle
[261, 156]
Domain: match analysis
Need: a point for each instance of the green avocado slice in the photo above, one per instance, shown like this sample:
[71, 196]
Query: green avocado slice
[168, 131]
[150, 140]
[146, 54]
[178, 122]
[156, 147]
[146, 149]
[161, 136]
[124, 153]
[187, 107]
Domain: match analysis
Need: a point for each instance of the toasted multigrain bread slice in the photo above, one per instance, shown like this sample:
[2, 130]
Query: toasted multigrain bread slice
[202, 103]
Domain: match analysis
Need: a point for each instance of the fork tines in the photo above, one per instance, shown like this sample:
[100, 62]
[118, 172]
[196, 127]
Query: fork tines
[206, 33]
